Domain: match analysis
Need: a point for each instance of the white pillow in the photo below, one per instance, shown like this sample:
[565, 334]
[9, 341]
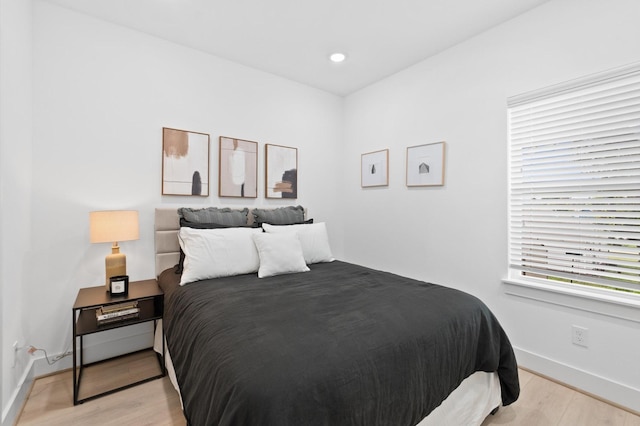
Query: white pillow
[313, 238]
[213, 253]
[279, 254]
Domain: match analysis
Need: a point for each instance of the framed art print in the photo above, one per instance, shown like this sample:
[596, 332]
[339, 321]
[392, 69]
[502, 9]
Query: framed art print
[425, 165]
[238, 168]
[374, 169]
[185, 162]
[281, 171]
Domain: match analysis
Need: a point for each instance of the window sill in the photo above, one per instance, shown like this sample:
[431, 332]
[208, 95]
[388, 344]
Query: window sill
[601, 301]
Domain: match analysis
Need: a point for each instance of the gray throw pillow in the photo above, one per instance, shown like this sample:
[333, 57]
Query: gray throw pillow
[281, 216]
[222, 216]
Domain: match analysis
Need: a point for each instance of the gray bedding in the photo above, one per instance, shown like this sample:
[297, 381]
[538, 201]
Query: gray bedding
[339, 345]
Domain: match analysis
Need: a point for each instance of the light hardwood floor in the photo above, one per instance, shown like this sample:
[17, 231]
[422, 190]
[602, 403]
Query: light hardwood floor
[50, 402]
[543, 402]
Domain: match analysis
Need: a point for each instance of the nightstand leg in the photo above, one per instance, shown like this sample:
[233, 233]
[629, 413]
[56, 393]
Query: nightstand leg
[164, 353]
[81, 353]
[75, 375]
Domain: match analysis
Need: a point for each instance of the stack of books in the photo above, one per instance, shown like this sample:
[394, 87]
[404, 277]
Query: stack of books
[118, 312]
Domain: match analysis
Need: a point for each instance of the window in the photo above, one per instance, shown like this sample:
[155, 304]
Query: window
[574, 182]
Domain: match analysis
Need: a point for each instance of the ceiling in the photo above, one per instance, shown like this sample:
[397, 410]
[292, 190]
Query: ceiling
[294, 38]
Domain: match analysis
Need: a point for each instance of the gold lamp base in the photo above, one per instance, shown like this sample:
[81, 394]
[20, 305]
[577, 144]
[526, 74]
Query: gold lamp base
[115, 264]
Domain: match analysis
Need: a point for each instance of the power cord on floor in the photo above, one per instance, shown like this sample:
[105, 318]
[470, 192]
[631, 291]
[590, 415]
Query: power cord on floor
[33, 349]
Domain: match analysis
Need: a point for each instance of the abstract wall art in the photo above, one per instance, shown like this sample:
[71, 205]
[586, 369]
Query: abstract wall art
[281, 171]
[238, 168]
[185, 162]
[374, 169]
[425, 165]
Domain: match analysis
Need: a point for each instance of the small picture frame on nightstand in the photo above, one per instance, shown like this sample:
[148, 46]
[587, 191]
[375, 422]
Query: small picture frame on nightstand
[119, 285]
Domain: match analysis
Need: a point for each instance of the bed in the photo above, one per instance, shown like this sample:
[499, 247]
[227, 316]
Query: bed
[335, 344]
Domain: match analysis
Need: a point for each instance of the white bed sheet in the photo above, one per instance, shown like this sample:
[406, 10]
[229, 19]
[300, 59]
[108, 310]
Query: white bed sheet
[468, 405]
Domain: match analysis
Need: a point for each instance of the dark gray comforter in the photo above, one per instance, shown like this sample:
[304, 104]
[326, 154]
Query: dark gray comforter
[339, 345]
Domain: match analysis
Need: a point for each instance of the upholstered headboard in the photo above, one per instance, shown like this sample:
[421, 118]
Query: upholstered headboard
[166, 227]
[167, 249]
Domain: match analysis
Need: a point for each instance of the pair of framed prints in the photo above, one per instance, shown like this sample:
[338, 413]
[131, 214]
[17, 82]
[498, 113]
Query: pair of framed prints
[185, 166]
[424, 166]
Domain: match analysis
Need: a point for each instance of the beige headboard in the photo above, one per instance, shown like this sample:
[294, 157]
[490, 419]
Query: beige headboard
[166, 226]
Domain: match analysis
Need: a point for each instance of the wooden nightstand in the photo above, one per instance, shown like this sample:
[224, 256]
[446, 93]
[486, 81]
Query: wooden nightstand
[150, 300]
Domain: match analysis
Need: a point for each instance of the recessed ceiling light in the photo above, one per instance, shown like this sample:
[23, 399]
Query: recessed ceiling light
[337, 57]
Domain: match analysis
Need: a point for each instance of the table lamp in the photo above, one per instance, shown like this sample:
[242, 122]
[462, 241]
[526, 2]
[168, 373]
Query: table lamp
[110, 227]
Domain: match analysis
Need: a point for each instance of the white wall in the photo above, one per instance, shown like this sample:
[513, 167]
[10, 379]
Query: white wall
[457, 234]
[15, 185]
[102, 94]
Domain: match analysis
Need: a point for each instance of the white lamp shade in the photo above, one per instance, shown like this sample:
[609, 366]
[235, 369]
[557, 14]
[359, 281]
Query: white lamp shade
[113, 225]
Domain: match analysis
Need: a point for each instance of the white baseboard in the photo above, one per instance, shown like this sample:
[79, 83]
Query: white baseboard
[601, 387]
[19, 396]
[134, 339]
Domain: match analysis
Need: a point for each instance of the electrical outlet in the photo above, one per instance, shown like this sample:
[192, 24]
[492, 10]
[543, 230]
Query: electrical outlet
[580, 336]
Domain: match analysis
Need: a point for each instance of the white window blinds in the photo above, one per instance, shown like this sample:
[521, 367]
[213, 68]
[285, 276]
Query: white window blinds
[575, 181]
